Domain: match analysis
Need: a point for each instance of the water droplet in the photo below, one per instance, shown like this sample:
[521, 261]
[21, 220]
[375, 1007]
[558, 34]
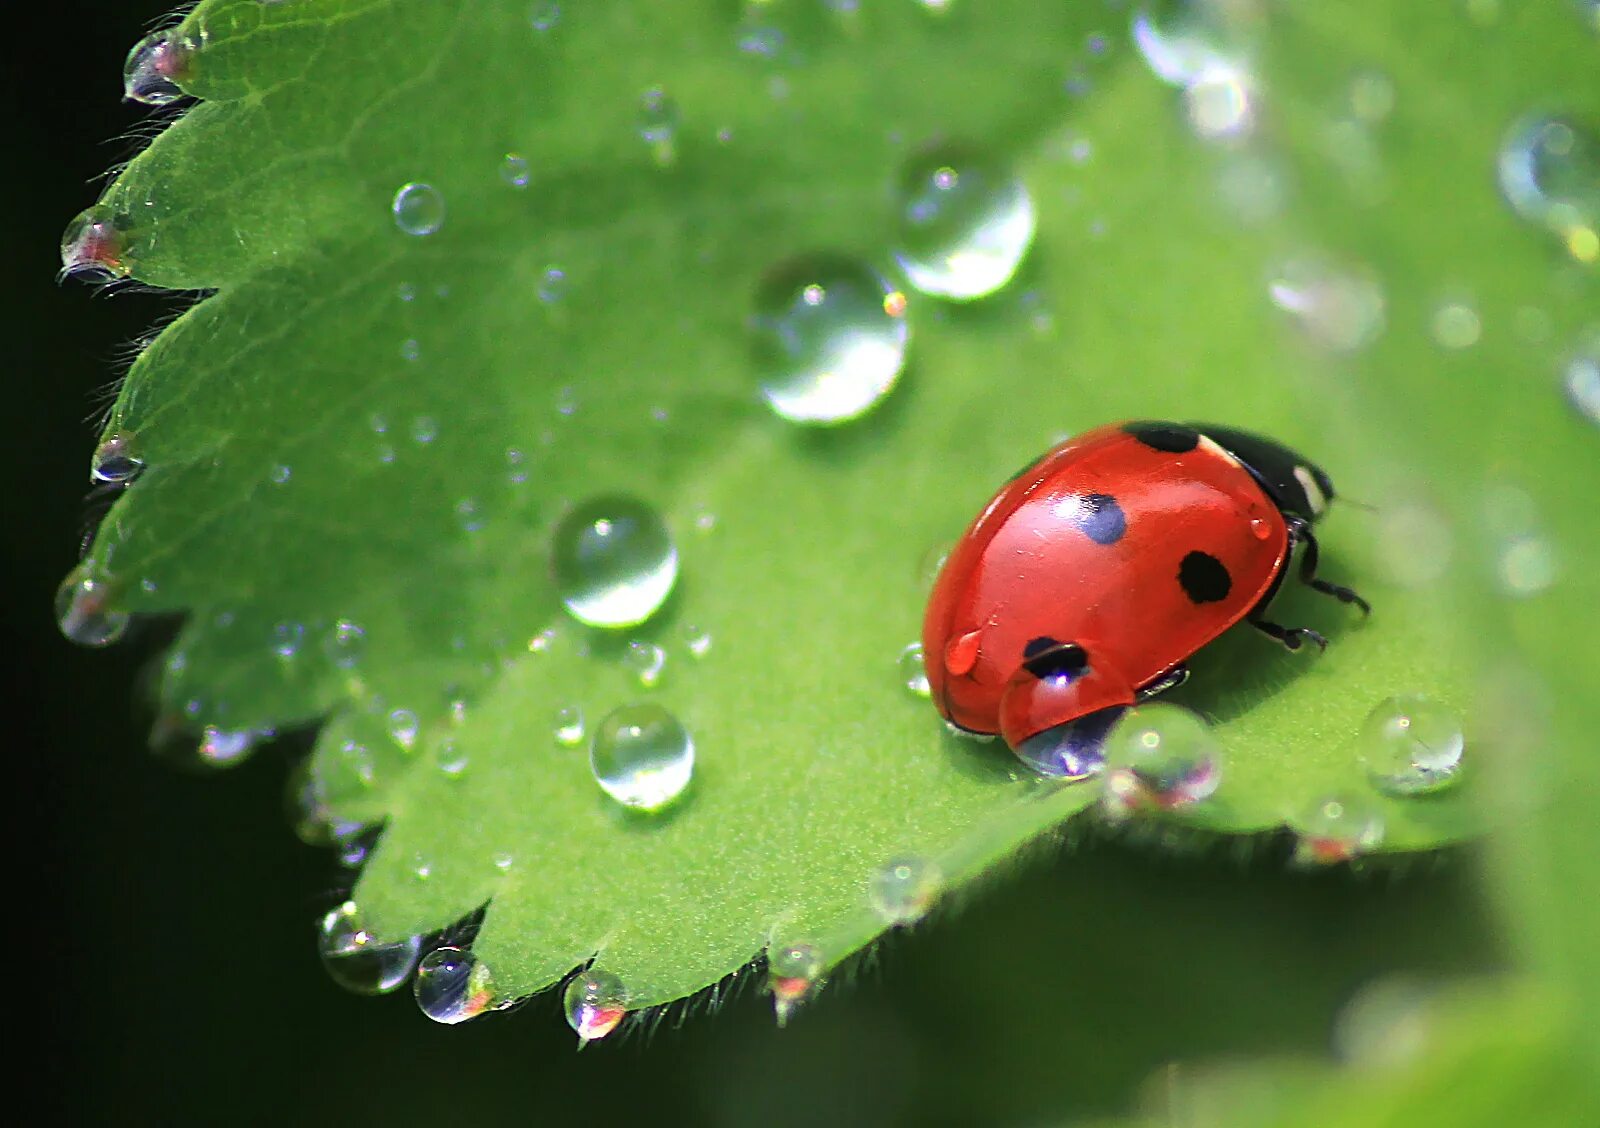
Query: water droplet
[1339, 309]
[614, 562]
[595, 1002]
[345, 644]
[1336, 829]
[1581, 380]
[281, 474]
[453, 985]
[418, 209]
[1071, 751]
[155, 67]
[503, 861]
[1549, 170]
[658, 124]
[966, 222]
[1411, 745]
[1524, 559]
[1455, 325]
[1178, 39]
[115, 460]
[1221, 102]
[553, 285]
[794, 975]
[913, 672]
[82, 612]
[287, 639]
[94, 247]
[647, 661]
[451, 757]
[410, 349]
[901, 891]
[828, 345]
[227, 748]
[569, 726]
[357, 961]
[514, 170]
[642, 756]
[544, 14]
[421, 867]
[1160, 758]
[424, 429]
[468, 515]
[403, 728]
[696, 639]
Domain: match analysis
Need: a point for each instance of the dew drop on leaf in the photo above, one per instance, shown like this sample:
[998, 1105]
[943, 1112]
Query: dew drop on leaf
[94, 247]
[154, 68]
[403, 727]
[696, 639]
[830, 339]
[345, 644]
[544, 14]
[450, 756]
[1336, 828]
[965, 223]
[514, 170]
[569, 726]
[658, 124]
[614, 562]
[642, 756]
[82, 613]
[646, 661]
[1075, 750]
[116, 460]
[358, 961]
[1412, 745]
[1178, 39]
[418, 209]
[594, 1003]
[453, 985]
[1549, 168]
[901, 890]
[226, 748]
[1160, 758]
[1221, 102]
[794, 975]
[912, 671]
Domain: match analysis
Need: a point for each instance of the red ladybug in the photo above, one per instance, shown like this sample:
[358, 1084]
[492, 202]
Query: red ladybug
[1093, 575]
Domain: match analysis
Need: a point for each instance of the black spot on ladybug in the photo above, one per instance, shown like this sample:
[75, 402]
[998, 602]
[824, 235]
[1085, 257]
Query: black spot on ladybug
[1098, 517]
[1204, 578]
[1170, 438]
[1051, 658]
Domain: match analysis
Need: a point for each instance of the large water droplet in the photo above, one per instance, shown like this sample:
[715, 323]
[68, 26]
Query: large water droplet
[966, 221]
[1221, 101]
[418, 209]
[360, 962]
[1550, 175]
[115, 460]
[227, 748]
[453, 985]
[82, 612]
[642, 756]
[595, 1002]
[658, 124]
[155, 67]
[1072, 751]
[94, 247]
[1161, 758]
[830, 338]
[1336, 828]
[1178, 39]
[901, 891]
[794, 975]
[1412, 745]
[614, 562]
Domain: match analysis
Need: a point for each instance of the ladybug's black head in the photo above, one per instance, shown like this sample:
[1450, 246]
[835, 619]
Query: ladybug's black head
[1298, 486]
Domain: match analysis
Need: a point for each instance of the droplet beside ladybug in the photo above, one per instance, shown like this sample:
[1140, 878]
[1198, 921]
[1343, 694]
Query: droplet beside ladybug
[1088, 581]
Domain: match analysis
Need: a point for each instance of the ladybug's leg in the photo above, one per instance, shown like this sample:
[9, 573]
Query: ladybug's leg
[1300, 534]
[1172, 679]
[1291, 637]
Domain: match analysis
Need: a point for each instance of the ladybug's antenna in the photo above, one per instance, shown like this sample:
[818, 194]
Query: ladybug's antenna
[1367, 506]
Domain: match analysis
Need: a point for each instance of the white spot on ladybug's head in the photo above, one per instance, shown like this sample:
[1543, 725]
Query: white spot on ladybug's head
[1207, 443]
[1314, 495]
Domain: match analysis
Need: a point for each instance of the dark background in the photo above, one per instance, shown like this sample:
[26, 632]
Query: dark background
[166, 920]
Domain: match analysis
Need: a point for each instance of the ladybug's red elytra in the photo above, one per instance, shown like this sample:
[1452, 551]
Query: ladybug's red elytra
[1089, 580]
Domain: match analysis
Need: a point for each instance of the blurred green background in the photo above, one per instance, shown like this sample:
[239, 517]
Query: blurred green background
[172, 922]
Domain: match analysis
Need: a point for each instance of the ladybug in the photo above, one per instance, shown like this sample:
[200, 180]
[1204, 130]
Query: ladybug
[1089, 580]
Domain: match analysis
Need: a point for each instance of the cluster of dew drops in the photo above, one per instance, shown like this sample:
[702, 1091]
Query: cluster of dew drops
[830, 338]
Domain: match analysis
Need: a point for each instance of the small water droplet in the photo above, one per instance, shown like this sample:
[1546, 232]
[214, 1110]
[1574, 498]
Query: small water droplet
[227, 748]
[1549, 168]
[696, 639]
[453, 985]
[82, 610]
[647, 661]
[614, 562]
[901, 891]
[345, 644]
[116, 460]
[1411, 745]
[287, 639]
[912, 671]
[1336, 828]
[424, 429]
[514, 170]
[403, 728]
[794, 975]
[569, 726]
[658, 124]
[829, 342]
[358, 961]
[1339, 309]
[451, 757]
[421, 867]
[642, 756]
[1160, 758]
[595, 1002]
[418, 209]
[1581, 380]
[544, 14]
[94, 247]
[1455, 325]
[966, 222]
[410, 349]
[503, 861]
[468, 515]
[281, 474]
[155, 67]
[553, 285]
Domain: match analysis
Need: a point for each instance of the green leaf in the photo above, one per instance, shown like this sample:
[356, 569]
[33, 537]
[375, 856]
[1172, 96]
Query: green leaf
[358, 448]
